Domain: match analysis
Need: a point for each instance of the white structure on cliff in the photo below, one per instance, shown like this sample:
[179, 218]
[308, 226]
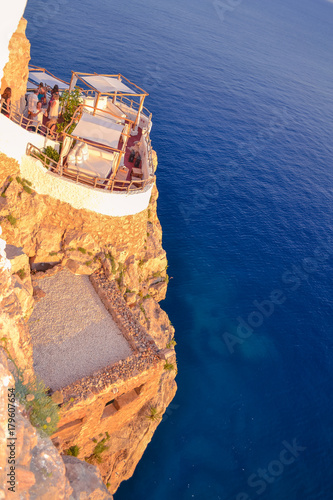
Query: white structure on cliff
[105, 159]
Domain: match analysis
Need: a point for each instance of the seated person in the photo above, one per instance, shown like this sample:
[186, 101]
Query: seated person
[32, 103]
[6, 101]
[37, 118]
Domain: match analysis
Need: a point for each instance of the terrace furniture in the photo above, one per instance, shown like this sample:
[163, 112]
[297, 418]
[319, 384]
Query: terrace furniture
[136, 181]
[122, 173]
[137, 172]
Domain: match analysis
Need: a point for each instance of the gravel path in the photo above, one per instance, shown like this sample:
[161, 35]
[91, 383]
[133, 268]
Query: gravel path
[72, 333]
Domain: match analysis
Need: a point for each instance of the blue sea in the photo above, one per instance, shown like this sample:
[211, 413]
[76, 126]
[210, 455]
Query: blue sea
[241, 95]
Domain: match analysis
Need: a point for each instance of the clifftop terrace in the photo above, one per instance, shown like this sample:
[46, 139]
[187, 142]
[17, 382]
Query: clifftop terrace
[101, 143]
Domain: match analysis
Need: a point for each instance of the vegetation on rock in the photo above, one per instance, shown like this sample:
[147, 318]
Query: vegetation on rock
[43, 413]
[73, 451]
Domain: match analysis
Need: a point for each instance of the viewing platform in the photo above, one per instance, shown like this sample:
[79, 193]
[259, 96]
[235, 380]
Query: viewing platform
[100, 150]
[73, 335]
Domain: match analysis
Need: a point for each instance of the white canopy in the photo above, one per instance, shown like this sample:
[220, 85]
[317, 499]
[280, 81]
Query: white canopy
[106, 84]
[41, 76]
[97, 129]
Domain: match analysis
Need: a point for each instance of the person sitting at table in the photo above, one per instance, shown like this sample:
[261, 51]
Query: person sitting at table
[6, 101]
[37, 118]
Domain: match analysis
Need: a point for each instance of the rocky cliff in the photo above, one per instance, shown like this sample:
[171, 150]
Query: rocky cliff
[43, 232]
[128, 265]
[39, 472]
[15, 73]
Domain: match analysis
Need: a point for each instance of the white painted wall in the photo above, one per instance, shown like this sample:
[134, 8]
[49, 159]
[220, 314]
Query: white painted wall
[13, 142]
[83, 197]
[14, 139]
[11, 13]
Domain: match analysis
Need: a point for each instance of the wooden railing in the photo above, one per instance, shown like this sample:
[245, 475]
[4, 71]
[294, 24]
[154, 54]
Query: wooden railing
[26, 123]
[134, 105]
[110, 184]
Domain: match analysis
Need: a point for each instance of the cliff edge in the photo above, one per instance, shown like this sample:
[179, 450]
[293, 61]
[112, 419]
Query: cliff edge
[107, 418]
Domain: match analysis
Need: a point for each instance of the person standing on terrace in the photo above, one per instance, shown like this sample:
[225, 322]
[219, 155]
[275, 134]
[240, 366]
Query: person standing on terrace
[53, 112]
[32, 103]
[6, 101]
[41, 93]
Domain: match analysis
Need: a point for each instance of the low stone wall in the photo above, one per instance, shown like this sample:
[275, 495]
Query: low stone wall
[146, 354]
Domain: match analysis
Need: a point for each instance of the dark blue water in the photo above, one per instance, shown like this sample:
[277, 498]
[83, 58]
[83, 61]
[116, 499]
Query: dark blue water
[241, 95]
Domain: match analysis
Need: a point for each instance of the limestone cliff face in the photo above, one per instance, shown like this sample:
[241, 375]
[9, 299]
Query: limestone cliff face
[40, 472]
[129, 248]
[15, 73]
[128, 251]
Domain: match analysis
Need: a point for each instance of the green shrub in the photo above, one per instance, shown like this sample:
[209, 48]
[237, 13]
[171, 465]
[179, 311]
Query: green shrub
[88, 263]
[69, 102]
[172, 343]
[153, 415]
[27, 189]
[11, 219]
[42, 411]
[52, 153]
[49, 152]
[73, 451]
[82, 250]
[96, 456]
[113, 262]
[144, 312]
[52, 254]
[168, 366]
[21, 273]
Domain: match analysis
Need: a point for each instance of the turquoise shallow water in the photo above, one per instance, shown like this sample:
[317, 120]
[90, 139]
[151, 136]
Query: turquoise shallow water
[241, 95]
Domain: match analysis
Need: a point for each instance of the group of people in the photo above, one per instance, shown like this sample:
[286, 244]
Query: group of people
[35, 111]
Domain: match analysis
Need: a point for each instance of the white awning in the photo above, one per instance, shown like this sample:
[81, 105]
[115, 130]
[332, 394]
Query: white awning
[41, 76]
[106, 84]
[99, 130]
